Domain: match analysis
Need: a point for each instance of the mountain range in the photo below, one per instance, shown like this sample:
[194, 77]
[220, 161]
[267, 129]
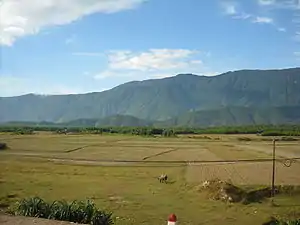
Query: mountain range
[232, 98]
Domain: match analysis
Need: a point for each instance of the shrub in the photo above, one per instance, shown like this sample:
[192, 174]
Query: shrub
[290, 222]
[33, 207]
[24, 131]
[101, 218]
[77, 212]
[274, 221]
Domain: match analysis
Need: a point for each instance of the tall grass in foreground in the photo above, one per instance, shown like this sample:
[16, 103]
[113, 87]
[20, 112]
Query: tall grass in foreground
[274, 221]
[291, 222]
[76, 211]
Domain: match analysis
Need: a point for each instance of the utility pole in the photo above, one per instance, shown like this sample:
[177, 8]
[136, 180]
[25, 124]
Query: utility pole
[273, 172]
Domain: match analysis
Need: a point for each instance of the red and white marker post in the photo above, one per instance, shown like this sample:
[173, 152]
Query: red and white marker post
[172, 220]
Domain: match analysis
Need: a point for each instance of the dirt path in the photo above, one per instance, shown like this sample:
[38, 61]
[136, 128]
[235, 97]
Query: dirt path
[20, 220]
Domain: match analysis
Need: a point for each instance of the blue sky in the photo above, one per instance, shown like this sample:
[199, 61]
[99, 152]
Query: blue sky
[79, 46]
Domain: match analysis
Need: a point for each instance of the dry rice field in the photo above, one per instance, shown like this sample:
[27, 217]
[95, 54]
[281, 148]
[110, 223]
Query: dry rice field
[119, 173]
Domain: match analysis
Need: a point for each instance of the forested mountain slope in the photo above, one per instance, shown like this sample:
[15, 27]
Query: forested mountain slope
[162, 99]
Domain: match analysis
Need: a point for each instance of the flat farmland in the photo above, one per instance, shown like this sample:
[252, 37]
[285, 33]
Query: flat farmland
[91, 166]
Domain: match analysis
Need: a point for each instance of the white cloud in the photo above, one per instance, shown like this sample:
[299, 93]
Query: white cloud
[162, 75]
[154, 59]
[293, 6]
[213, 73]
[196, 62]
[229, 8]
[152, 63]
[266, 2]
[281, 29]
[259, 19]
[242, 16]
[134, 75]
[26, 17]
[233, 9]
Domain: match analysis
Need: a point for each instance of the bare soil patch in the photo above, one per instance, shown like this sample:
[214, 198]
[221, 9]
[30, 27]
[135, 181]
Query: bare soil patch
[20, 220]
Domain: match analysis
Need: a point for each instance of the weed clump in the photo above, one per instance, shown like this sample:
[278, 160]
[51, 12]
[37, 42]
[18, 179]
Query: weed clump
[274, 221]
[221, 190]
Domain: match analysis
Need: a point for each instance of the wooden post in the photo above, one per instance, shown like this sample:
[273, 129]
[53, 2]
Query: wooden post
[273, 171]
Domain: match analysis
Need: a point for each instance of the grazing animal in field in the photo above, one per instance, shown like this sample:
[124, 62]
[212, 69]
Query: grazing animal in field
[163, 178]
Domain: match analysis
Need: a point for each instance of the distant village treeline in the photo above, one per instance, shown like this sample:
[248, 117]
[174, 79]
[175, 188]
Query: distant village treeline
[263, 130]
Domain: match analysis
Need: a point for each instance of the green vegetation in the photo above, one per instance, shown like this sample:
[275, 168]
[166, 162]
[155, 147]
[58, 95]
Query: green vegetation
[248, 96]
[290, 222]
[168, 133]
[23, 131]
[263, 130]
[226, 116]
[274, 221]
[237, 116]
[78, 212]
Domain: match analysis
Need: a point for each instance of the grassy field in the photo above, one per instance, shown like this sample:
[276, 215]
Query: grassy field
[71, 167]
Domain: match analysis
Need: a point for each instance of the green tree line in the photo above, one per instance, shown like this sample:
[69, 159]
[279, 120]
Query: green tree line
[268, 130]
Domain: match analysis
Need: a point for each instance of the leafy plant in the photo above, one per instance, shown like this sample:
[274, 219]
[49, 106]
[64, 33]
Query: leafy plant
[102, 218]
[291, 222]
[76, 211]
[34, 207]
[60, 210]
[82, 212]
[274, 221]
